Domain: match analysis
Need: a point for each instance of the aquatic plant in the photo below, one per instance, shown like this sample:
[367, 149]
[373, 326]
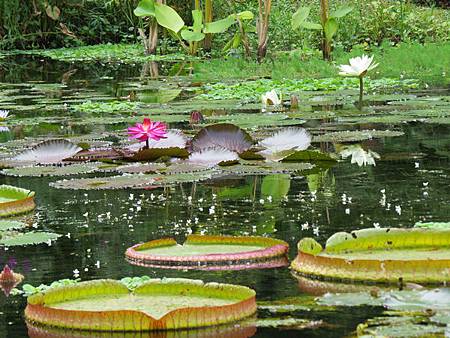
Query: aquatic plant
[170, 304]
[4, 114]
[224, 135]
[359, 67]
[12, 233]
[271, 99]
[48, 152]
[209, 157]
[359, 155]
[385, 255]
[14, 200]
[207, 252]
[148, 130]
[9, 280]
[284, 143]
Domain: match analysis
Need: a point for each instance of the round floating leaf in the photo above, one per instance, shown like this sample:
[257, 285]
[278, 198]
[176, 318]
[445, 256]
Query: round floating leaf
[27, 238]
[266, 168]
[61, 170]
[381, 255]
[11, 225]
[159, 304]
[152, 154]
[199, 252]
[433, 225]
[355, 135]
[105, 183]
[222, 135]
[14, 200]
[141, 168]
[309, 156]
[52, 151]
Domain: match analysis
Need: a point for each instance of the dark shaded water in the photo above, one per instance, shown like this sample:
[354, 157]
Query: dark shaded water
[409, 184]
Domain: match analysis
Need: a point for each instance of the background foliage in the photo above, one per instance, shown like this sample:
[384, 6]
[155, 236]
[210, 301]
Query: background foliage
[38, 24]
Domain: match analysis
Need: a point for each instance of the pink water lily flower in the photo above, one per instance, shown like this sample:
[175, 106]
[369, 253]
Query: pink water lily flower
[148, 130]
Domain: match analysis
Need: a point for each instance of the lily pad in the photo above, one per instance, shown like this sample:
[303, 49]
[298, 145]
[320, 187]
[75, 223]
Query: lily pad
[159, 304]
[14, 200]
[201, 251]
[433, 225]
[61, 170]
[27, 238]
[355, 135]
[379, 255]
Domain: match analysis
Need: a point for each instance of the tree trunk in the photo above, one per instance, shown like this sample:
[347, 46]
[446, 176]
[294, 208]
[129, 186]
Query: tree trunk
[208, 18]
[326, 45]
[262, 27]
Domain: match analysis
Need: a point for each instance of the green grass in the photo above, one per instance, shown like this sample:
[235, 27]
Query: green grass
[429, 63]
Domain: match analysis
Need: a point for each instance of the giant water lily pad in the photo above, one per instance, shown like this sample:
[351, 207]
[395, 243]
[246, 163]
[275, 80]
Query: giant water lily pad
[201, 251]
[14, 200]
[355, 135]
[60, 170]
[159, 304]
[378, 255]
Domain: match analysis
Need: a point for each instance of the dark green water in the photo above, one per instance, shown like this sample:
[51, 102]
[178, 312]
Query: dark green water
[409, 184]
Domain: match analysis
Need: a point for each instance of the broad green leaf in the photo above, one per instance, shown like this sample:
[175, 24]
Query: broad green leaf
[219, 26]
[168, 17]
[341, 11]
[311, 25]
[197, 17]
[245, 15]
[330, 28]
[191, 36]
[145, 8]
[300, 17]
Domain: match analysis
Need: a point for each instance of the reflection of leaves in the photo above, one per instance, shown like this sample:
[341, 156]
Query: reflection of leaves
[276, 186]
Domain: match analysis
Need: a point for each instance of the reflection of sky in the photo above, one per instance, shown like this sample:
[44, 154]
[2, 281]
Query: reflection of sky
[359, 155]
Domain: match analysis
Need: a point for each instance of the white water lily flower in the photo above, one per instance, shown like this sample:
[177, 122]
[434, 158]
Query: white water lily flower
[358, 67]
[211, 156]
[3, 114]
[271, 99]
[285, 142]
[4, 129]
[359, 155]
[174, 138]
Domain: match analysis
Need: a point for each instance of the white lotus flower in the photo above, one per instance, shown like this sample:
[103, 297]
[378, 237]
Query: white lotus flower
[174, 138]
[4, 129]
[3, 114]
[359, 155]
[212, 156]
[358, 67]
[285, 142]
[271, 99]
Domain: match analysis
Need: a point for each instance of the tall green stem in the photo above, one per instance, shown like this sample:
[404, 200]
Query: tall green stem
[361, 91]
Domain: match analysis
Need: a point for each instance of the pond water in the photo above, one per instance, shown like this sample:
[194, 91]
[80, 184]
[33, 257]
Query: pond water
[409, 184]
